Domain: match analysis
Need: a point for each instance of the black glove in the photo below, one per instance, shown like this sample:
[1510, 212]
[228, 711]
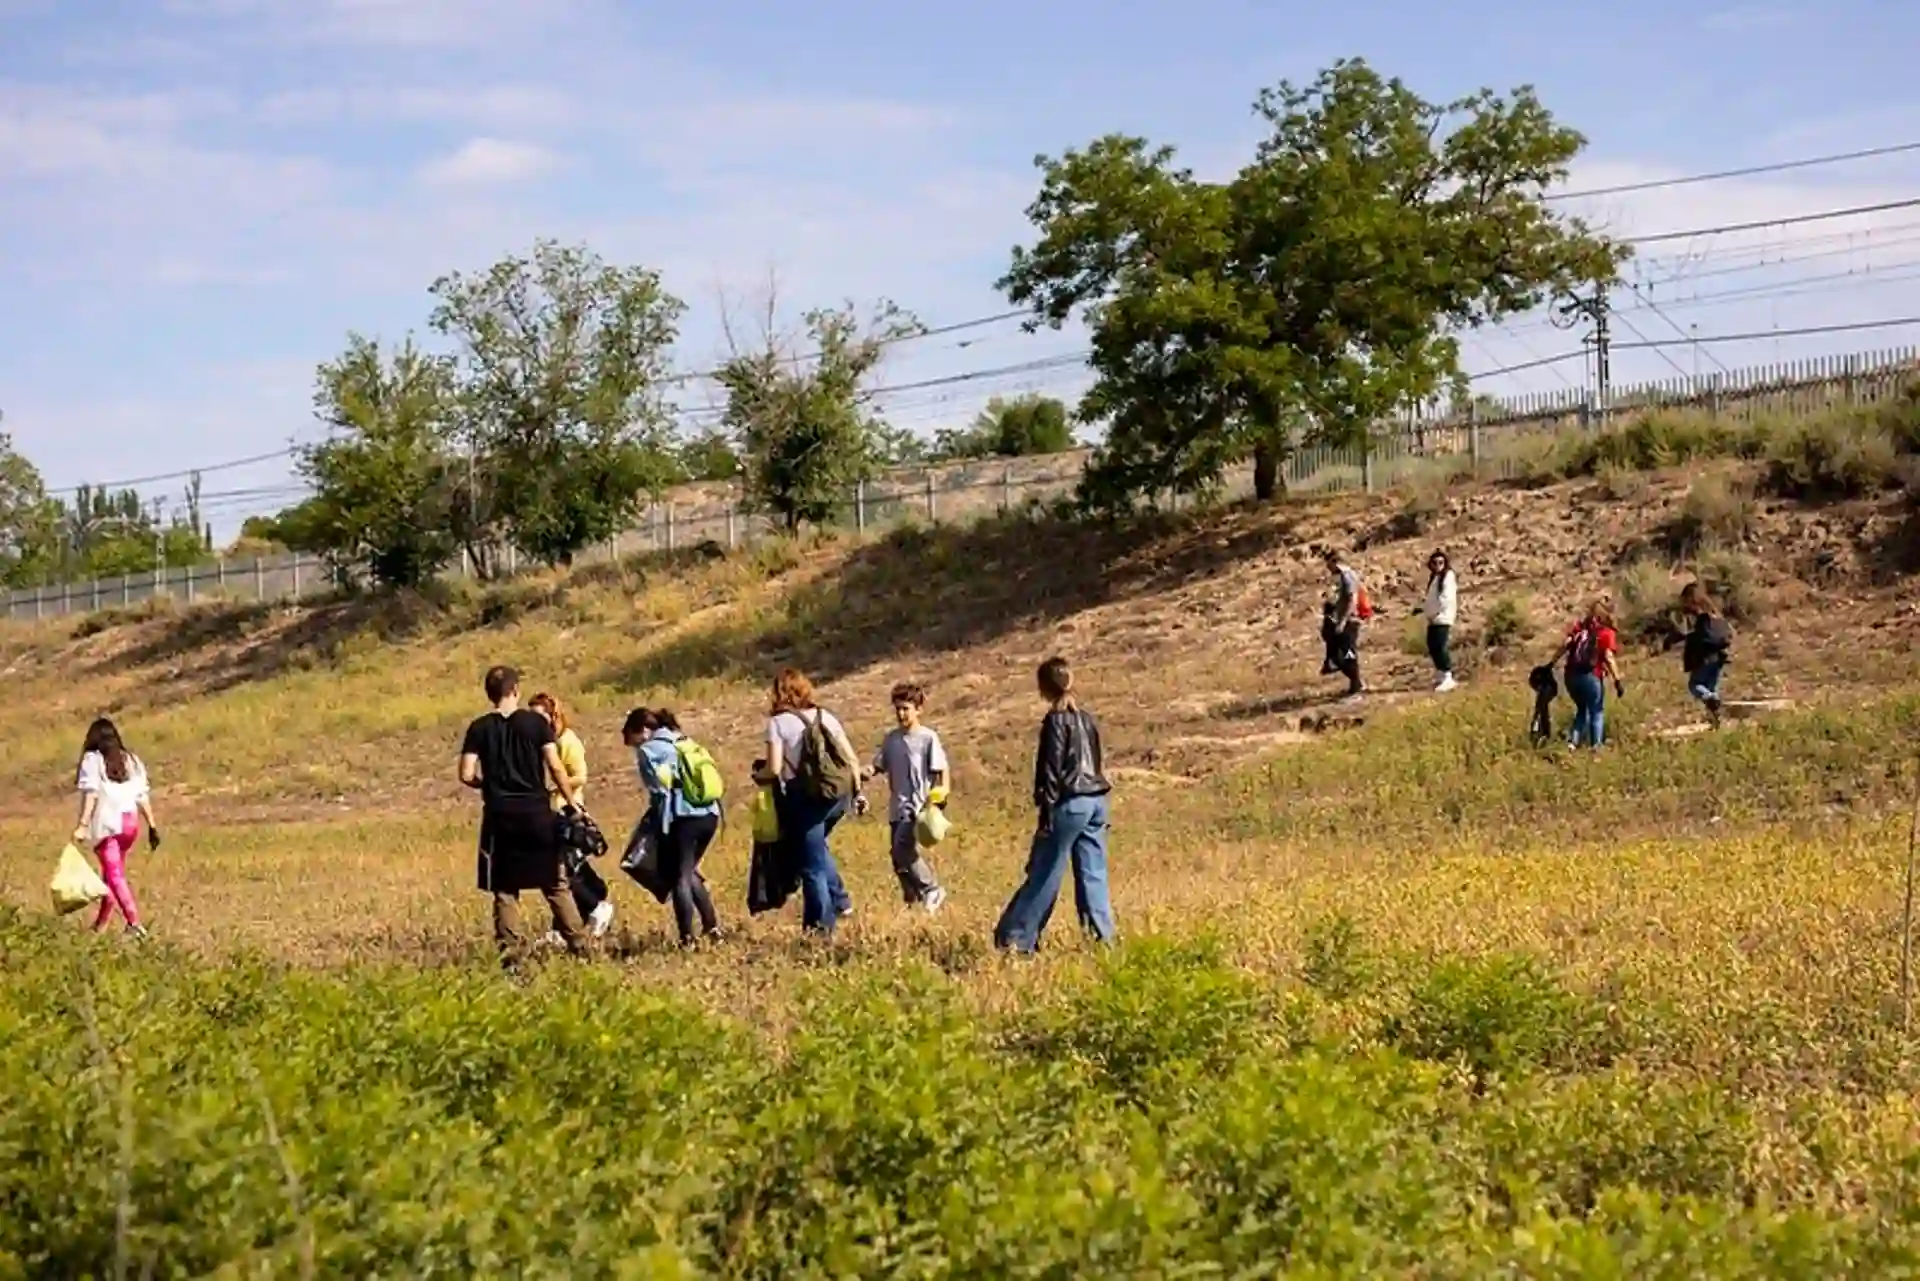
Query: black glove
[153, 838]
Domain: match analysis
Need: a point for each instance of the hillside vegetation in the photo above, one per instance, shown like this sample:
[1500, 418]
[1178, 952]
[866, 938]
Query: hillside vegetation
[1399, 993]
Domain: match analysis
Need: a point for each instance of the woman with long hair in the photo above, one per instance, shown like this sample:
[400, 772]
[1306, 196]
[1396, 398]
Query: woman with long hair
[114, 798]
[808, 815]
[683, 827]
[589, 888]
[1441, 608]
[1070, 797]
[1592, 651]
[1705, 647]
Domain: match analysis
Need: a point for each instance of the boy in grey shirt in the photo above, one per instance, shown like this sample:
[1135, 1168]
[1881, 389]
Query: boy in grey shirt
[915, 765]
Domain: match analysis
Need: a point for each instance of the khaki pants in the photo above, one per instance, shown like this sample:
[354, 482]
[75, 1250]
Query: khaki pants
[566, 918]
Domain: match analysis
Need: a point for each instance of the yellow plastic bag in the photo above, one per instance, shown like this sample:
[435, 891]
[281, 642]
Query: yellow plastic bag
[932, 826]
[766, 819]
[75, 884]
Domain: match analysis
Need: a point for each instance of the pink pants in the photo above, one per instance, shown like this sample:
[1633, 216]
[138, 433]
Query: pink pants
[112, 854]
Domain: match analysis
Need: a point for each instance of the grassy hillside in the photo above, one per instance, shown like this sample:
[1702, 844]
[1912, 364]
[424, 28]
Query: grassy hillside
[1401, 994]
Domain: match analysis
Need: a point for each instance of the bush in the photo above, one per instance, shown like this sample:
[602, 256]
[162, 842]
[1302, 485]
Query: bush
[1831, 459]
[1422, 506]
[1645, 596]
[1730, 578]
[1623, 485]
[1509, 622]
[1653, 441]
[1498, 1015]
[1718, 511]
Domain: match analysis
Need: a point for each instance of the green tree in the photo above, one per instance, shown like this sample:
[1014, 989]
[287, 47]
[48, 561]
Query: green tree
[1016, 428]
[384, 480]
[1313, 294]
[709, 456]
[28, 520]
[803, 423]
[562, 363]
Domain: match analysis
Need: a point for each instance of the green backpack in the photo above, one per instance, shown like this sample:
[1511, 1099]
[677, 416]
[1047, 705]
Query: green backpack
[697, 776]
[822, 770]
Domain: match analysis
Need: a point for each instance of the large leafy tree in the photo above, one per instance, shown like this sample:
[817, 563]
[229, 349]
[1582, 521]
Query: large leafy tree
[563, 361]
[803, 421]
[1015, 428]
[27, 519]
[384, 480]
[1314, 293]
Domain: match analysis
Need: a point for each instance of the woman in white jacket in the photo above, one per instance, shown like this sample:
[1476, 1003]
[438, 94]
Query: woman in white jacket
[1441, 607]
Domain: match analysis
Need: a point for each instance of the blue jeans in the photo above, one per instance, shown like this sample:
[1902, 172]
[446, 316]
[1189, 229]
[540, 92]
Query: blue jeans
[1589, 695]
[806, 823]
[1704, 683]
[1076, 835]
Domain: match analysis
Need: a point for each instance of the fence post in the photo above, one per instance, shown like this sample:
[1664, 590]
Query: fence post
[1366, 462]
[36, 604]
[1713, 395]
[1851, 391]
[126, 590]
[1473, 435]
[296, 575]
[669, 526]
[1006, 489]
[220, 572]
[66, 598]
[191, 579]
[259, 579]
[95, 604]
[860, 506]
[731, 536]
[933, 511]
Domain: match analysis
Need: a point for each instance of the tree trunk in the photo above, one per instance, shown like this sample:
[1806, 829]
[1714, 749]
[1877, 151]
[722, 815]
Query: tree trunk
[1266, 472]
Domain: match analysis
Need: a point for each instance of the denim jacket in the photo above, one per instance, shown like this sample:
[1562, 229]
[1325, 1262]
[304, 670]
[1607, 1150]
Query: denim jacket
[658, 764]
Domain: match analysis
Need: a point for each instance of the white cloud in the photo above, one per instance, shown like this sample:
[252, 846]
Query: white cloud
[490, 162]
[399, 24]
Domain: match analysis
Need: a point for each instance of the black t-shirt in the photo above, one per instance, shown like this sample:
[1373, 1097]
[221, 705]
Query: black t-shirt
[512, 764]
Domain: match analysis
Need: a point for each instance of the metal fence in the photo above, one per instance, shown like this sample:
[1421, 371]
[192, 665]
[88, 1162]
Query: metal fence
[1479, 441]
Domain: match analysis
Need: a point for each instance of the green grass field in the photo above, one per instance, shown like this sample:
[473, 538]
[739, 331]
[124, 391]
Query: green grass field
[1403, 998]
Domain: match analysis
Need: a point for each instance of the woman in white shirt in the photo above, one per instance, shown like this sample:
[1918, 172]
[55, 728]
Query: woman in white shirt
[1442, 607]
[113, 800]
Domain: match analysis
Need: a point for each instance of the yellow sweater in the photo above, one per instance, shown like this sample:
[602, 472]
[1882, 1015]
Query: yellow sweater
[573, 760]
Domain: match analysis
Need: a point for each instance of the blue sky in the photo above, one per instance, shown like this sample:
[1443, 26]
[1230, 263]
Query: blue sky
[199, 198]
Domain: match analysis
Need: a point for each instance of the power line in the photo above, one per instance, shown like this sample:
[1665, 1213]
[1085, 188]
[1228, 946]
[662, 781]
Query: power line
[1790, 220]
[1809, 162]
[1671, 324]
[1761, 335]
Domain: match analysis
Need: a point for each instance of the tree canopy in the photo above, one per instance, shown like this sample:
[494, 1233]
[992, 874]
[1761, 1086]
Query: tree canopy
[1314, 293]
[1011, 428]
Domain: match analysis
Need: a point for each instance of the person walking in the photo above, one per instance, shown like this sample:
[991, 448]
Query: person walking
[1342, 619]
[114, 798]
[590, 892]
[1592, 652]
[813, 765]
[1070, 797]
[1705, 648]
[1441, 607]
[510, 757]
[684, 826]
[915, 763]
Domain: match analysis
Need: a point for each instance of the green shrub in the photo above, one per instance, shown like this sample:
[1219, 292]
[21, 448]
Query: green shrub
[1718, 511]
[1832, 458]
[1654, 440]
[1730, 577]
[1499, 1015]
[1645, 598]
[1623, 484]
[1509, 622]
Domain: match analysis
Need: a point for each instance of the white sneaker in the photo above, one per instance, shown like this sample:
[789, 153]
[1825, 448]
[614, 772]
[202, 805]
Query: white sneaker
[935, 900]
[1447, 684]
[600, 920]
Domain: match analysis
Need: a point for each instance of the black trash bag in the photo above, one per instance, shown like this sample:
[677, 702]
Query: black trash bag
[772, 878]
[641, 861]
[1545, 689]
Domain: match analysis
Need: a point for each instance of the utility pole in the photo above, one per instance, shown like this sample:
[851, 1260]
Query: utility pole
[1593, 309]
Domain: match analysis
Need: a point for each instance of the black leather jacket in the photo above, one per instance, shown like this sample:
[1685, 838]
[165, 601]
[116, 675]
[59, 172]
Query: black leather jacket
[1068, 763]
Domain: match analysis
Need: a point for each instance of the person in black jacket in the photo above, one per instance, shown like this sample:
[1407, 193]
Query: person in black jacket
[1070, 796]
[1705, 646]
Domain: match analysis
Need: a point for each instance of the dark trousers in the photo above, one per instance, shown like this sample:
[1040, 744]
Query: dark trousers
[1345, 652]
[685, 843]
[805, 823]
[1440, 647]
